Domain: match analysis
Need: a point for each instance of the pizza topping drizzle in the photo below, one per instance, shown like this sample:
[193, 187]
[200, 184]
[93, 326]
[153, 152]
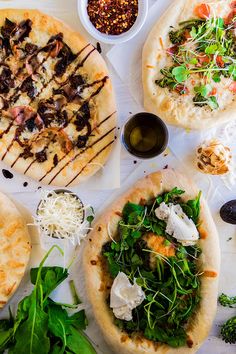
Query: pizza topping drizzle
[203, 54]
[47, 120]
[77, 155]
[167, 271]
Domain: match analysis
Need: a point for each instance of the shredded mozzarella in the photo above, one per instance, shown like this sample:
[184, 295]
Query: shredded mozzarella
[61, 215]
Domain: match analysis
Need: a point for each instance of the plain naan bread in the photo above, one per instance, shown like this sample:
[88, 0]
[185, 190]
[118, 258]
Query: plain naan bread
[15, 248]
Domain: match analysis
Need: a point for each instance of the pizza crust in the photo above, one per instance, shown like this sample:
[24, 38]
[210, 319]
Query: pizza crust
[15, 247]
[170, 106]
[200, 325]
[103, 113]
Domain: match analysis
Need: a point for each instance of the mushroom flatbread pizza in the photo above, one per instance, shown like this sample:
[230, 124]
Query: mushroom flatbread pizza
[56, 100]
[152, 267]
[15, 248]
[189, 64]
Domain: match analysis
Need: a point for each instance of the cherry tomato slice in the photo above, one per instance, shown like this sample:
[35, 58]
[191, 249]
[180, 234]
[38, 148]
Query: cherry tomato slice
[202, 11]
[232, 87]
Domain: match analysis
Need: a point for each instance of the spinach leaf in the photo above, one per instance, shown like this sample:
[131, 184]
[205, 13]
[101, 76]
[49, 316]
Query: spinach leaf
[51, 277]
[57, 323]
[31, 336]
[78, 320]
[131, 211]
[78, 343]
[168, 197]
[6, 338]
[41, 325]
[195, 208]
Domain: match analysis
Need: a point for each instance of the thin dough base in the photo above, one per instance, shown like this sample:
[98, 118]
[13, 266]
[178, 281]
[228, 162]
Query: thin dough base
[200, 325]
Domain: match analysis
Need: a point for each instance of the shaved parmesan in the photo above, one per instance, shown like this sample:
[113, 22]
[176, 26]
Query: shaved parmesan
[61, 215]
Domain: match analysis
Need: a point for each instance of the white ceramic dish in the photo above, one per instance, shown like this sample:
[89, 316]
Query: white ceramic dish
[112, 39]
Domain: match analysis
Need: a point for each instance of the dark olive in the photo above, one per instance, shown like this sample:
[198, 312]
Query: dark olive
[228, 212]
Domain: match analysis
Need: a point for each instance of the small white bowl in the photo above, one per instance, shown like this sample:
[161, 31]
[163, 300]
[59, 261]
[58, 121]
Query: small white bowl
[107, 38]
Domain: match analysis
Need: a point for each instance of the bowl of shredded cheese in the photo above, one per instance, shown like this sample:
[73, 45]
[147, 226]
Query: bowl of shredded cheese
[61, 215]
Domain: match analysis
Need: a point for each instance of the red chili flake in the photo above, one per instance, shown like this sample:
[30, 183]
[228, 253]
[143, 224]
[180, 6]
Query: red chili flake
[113, 16]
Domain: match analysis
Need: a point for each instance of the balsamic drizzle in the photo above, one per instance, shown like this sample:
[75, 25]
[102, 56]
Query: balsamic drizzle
[7, 174]
[93, 158]
[79, 154]
[12, 123]
[27, 85]
[63, 157]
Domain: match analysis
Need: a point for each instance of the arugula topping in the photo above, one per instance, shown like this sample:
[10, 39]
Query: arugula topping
[42, 325]
[203, 47]
[171, 284]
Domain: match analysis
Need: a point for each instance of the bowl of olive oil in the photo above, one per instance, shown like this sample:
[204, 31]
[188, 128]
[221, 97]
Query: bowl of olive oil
[145, 135]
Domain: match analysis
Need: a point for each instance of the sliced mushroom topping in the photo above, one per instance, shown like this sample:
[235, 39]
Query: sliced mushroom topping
[30, 48]
[81, 142]
[21, 31]
[41, 156]
[6, 80]
[67, 57]
[28, 87]
[8, 28]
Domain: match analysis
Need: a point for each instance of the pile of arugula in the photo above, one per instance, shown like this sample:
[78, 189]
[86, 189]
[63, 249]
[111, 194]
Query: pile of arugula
[203, 47]
[172, 287]
[42, 325]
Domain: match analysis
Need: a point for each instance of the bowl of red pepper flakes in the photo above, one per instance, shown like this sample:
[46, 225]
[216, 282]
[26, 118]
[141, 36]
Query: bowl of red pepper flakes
[113, 21]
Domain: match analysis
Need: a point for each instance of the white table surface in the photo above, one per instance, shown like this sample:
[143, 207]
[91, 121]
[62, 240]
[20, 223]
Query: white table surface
[126, 107]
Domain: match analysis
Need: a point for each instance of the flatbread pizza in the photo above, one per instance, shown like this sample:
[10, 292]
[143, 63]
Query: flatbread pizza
[152, 267]
[189, 64]
[15, 247]
[58, 114]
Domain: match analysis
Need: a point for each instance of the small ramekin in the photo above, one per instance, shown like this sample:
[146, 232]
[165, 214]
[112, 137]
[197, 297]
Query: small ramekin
[112, 39]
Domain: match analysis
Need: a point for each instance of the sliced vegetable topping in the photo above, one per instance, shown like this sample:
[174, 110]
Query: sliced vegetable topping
[202, 11]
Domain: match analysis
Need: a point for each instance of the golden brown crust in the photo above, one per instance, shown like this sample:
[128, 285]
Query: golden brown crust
[15, 248]
[74, 167]
[169, 105]
[148, 188]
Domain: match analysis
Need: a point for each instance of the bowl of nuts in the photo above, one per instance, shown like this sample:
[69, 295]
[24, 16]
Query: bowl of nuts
[113, 21]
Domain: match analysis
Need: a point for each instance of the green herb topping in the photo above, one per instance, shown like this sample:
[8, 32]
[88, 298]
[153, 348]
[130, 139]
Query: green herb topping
[166, 270]
[42, 325]
[203, 51]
